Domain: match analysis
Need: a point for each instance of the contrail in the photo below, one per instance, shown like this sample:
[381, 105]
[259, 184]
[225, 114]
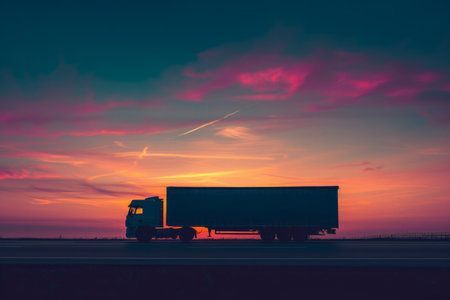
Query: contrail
[199, 127]
[209, 123]
[229, 115]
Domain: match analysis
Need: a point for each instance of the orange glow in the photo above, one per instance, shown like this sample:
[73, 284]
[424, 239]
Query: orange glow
[202, 175]
[396, 188]
[199, 156]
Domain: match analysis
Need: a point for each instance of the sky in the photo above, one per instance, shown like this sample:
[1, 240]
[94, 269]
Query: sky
[102, 102]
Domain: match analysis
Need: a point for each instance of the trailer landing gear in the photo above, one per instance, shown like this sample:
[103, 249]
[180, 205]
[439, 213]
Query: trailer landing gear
[299, 236]
[283, 235]
[267, 235]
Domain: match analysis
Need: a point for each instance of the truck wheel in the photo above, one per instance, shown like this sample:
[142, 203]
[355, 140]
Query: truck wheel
[283, 235]
[187, 234]
[267, 235]
[299, 236]
[145, 234]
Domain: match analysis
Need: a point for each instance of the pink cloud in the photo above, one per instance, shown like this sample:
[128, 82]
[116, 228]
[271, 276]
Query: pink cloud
[346, 85]
[63, 104]
[11, 174]
[24, 173]
[322, 80]
[199, 92]
[369, 169]
[263, 97]
[46, 111]
[112, 132]
[406, 92]
[277, 77]
[446, 87]
[42, 157]
[437, 117]
[281, 82]
[427, 77]
[47, 133]
[350, 165]
[6, 117]
[52, 117]
[91, 107]
[273, 79]
[258, 73]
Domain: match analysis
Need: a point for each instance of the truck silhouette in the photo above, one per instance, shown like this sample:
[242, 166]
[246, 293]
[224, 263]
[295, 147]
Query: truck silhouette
[282, 212]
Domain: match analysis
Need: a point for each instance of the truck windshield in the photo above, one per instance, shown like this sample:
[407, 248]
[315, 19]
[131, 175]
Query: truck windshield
[135, 210]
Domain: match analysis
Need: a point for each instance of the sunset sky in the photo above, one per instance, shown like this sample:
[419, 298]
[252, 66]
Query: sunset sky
[102, 103]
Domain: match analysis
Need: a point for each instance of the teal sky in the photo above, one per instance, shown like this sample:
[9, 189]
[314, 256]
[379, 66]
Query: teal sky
[137, 40]
[105, 101]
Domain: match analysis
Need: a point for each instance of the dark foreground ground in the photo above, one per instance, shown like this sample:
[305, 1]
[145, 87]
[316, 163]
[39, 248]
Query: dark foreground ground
[221, 282]
[224, 270]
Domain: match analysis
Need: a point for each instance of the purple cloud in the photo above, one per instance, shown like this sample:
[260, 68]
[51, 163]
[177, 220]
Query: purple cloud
[332, 79]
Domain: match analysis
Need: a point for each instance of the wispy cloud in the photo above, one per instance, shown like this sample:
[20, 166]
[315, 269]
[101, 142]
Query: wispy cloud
[236, 132]
[143, 153]
[83, 130]
[194, 175]
[120, 144]
[350, 165]
[74, 189]
[6, 173]
[434, 151]
[192, 156]
[13, 152]
[41, 201]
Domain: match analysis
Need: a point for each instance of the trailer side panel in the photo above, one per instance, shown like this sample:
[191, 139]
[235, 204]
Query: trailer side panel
[253, 206]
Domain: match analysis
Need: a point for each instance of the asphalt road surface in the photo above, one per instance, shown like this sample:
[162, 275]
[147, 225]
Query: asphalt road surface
[228, 252]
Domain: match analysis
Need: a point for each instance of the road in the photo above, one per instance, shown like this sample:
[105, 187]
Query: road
[227, 252]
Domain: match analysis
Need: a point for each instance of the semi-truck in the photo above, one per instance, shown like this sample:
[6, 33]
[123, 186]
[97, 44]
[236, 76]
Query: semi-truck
[284, 213]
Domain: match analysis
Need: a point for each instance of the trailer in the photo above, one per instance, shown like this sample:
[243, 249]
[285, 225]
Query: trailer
[283, 213]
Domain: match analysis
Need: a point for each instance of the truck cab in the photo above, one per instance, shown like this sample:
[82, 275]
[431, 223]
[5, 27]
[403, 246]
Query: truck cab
[145, 221]
[144, 215]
